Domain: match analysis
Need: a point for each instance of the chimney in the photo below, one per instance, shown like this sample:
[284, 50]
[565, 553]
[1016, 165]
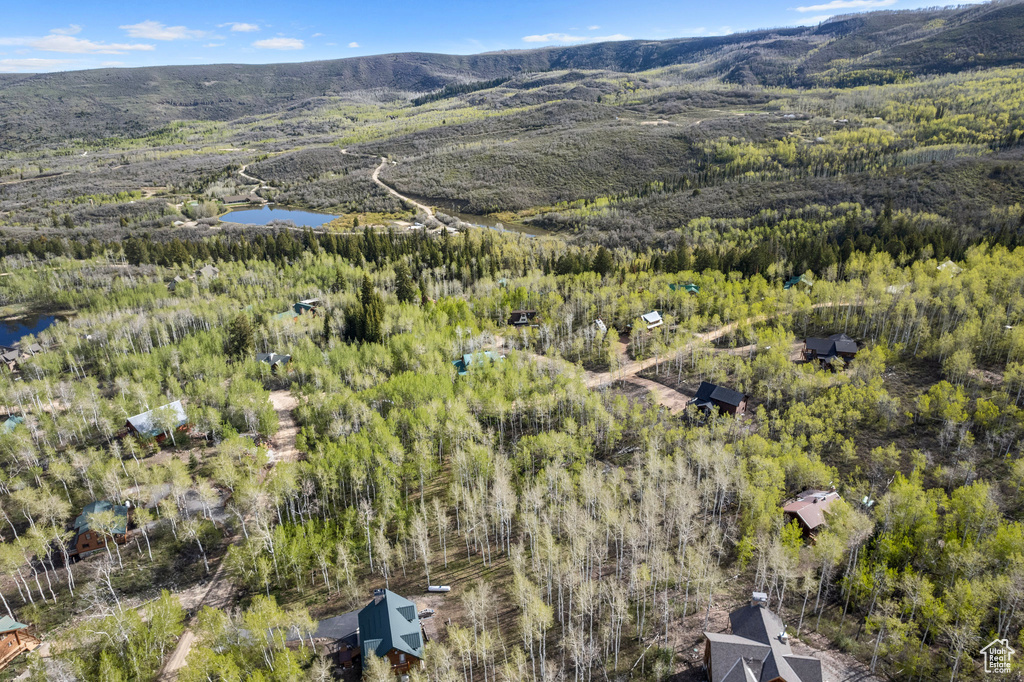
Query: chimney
[783, 637]
[378, 596]
[759, 599]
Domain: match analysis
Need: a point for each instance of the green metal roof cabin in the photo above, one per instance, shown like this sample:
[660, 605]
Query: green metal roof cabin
[463, 363]
[389, 627]
[802, 279]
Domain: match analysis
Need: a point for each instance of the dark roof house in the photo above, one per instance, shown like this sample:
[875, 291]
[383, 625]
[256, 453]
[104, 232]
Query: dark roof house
[275, 360]
[521, 318]
[837, 345]
[335, 638]
[725, 399]
[389, 627]
[757, 650]
[809, 508]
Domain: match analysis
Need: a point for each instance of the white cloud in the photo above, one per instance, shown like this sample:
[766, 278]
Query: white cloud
[280, 44]
[71, 30]
[846, 4]
[111, 63]
[154, 30]
[240, 27]
[31, 64]
[353, 44]
[214, 45]
[72, 45]
[566, 38]
[317, 35]
[593, 28]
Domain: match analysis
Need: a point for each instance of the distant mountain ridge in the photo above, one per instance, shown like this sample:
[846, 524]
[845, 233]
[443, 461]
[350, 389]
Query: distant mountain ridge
[847, 50]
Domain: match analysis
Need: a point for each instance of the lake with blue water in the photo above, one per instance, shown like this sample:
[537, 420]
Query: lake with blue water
[266, 214]
[12, 331]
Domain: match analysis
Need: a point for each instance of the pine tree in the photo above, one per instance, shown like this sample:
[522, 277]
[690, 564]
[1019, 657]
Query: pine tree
[404, 287]
[240, 336]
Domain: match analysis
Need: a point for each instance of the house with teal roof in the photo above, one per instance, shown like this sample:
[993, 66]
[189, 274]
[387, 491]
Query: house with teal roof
[10, 424]
[801, 281]
[463, 363]
[88, 539]
[389, 627]
[14, 640]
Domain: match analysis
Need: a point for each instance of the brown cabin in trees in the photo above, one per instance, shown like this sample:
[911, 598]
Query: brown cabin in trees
[87, 539]
[521, 318]
[14, 640]
[809, 509]
[725, 400]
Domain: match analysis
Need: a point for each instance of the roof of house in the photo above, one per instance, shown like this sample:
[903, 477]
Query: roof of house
[390, 622]
[653, 317]
[8, 624]
[519, 317]
[833, 345]
[146, 425]
[802, 279]
[756, 651]
[708, 392]
[286, 315]
[81, 523]
[207, 271]
[11, 423]
[272, 358]
[810, 506]
[463, 363]
[339, 627]
[950, 266]
[689, 288]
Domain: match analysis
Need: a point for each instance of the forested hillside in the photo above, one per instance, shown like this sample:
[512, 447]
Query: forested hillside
[603, 524]
[220, 431]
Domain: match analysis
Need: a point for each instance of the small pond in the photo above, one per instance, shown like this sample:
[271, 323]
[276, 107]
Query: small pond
[266, 214]
[11, 331]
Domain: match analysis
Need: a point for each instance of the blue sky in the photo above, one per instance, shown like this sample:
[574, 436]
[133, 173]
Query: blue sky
[60, 35]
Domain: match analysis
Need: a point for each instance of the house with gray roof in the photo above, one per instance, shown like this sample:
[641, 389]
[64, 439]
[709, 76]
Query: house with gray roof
[275, 360]
[147, 424]
[711, 397]
[825, 350]
[757, 650]
[389, 627]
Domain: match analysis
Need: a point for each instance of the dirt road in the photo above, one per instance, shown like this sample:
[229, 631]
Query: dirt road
[393, 192]
[672, 399]
[219, 592]
[282, 445]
